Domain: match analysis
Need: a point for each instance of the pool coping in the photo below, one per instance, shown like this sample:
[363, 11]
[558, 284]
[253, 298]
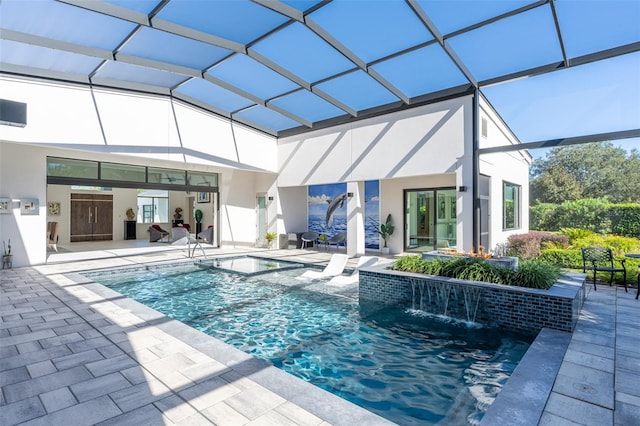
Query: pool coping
[317, 401]
[523, 397]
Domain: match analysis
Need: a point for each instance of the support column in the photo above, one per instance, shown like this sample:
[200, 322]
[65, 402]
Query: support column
[355, 219]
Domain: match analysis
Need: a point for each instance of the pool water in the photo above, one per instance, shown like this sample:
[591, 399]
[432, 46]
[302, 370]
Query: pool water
[249, 265]
[408, 367]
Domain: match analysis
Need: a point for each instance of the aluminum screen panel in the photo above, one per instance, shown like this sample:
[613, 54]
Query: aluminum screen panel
[288, 66]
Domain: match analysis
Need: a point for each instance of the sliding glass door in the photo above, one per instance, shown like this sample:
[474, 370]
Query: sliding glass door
[430, 219]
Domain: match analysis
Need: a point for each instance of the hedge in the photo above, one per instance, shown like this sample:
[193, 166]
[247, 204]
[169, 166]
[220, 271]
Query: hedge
[594, 214]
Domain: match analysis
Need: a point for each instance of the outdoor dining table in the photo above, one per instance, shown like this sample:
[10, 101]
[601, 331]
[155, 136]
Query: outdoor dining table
[635, 256]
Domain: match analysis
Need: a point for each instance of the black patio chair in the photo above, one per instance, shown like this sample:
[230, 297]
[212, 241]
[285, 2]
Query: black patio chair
[599, 259]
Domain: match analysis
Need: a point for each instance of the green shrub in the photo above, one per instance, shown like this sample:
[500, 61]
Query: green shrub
[408, 264]
[594, 214]
[619, 245]
[625, 219]
[563, 258]
[576, 233]
[534, 273]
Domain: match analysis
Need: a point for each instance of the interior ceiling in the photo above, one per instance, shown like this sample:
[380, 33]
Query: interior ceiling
[288, 66]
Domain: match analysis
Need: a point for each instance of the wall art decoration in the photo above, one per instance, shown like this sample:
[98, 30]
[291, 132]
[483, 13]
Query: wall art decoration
[203, 197]
[53, 208]
[5, 205]
[29, 206]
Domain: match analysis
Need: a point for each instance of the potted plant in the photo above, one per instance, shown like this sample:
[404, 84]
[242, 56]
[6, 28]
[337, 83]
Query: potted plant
[270, 237]
[322, 240]
[385, 230]
[7, 257]
[198, 216]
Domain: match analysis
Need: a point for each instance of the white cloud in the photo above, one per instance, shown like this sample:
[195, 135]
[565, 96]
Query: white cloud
[319, 199]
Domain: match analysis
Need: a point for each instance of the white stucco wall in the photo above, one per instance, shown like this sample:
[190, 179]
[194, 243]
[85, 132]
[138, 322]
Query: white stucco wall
[148, 126]
[511, 167]
[424, 140]
[23, 175]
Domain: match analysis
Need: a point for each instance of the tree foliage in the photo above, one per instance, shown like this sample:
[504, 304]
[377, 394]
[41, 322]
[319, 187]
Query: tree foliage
[594, 170]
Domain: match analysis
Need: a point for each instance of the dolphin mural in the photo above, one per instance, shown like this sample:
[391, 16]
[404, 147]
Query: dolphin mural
[333, 205]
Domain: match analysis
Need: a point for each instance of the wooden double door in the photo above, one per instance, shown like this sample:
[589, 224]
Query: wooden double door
[91, 217]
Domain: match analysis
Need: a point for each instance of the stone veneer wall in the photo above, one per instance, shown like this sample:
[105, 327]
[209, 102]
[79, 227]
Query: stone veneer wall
[515, 308]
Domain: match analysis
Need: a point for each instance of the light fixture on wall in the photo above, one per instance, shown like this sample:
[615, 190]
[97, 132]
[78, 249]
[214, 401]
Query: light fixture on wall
[349, 194]
[270, 198]
[462, 189]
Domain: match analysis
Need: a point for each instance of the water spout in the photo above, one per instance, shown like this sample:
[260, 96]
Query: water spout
[442, 298]
[472, 297]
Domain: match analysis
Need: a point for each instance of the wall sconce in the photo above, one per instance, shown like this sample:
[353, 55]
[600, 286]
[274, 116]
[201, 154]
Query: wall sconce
[462, 189]
[349, 194]
[270, 198]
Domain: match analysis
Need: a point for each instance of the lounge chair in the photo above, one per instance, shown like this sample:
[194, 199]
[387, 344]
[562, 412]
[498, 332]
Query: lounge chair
[179, 235]
[338, 239]
[354, 278]
[207, 235]
[156, 233]
[309, 238]
[334, 267]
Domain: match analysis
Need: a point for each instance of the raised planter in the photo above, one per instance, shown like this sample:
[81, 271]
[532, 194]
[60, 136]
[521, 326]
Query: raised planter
[514, 308]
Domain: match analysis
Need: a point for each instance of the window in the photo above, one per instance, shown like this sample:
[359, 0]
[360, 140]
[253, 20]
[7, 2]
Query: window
[65, 167]
[122, 172]
[153, 206]
[168, 176]
[510, 206]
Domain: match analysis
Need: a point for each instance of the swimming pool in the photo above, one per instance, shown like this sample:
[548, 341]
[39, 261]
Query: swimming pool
[406, 367]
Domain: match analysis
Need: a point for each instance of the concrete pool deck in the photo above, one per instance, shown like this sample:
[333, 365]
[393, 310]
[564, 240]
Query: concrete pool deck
[73, 349]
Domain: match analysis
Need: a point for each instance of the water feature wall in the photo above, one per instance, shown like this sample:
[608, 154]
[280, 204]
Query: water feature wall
[515, 308]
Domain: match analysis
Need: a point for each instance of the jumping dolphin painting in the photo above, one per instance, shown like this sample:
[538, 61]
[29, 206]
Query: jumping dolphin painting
[333, 205]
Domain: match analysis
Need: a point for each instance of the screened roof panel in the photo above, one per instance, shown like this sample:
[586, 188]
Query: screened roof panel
[589, 27]
[141, 6]
[251, 76]
[28, 55]
[372, 29]
[63, 22]
[264, 117]
[300, 51]
[528, 40]
[212, 94]
[358, 91]
[421, 71]
[447, 16]
[302, 5]
[238, 20]
[137, 74]
[162, 46]
[305, 62]
[560, 101]
[308, 105]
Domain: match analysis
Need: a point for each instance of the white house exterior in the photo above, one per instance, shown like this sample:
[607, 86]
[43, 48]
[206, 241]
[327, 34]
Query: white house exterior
[419, 148]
